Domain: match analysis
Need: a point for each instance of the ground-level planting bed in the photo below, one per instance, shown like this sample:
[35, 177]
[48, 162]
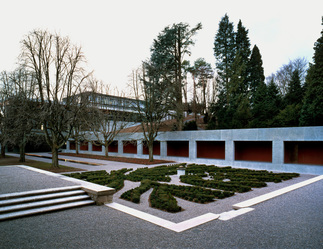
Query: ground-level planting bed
[207, 183]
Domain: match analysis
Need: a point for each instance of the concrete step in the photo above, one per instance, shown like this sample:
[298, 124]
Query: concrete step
[38, 192]
[43, 203]
[32, 198]
[42, 210]
[20, 204]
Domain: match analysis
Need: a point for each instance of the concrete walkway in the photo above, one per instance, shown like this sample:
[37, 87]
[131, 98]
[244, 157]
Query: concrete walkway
[104, 164]
[290, 220]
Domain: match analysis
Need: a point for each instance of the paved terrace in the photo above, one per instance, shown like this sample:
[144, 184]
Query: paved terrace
[293, 219]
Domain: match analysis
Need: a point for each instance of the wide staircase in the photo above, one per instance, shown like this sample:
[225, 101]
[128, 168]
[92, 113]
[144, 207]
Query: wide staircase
[20, 204]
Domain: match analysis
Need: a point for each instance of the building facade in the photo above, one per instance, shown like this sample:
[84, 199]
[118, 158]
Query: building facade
[296, 149]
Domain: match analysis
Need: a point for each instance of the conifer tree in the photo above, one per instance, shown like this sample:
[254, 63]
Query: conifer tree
[256, 75]
[294, 93]
[289, 116]
[167, 55]
[224, 49]
[312, 110]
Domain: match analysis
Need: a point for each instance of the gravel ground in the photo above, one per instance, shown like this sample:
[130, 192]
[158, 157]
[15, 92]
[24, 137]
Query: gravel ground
[293, 220]
[15, 179]
[192, 209]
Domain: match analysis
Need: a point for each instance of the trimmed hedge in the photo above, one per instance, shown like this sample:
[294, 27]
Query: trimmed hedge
[134, 194]
[159, 173]
[225, 181]
[114, 180]
[162, 199]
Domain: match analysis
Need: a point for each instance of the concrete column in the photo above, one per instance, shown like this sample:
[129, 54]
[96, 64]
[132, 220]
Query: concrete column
[192, 149]
[139, 147]
[278, 152]
[229, 151]
[163, 149]
[120, 146]
[90, 147]
[68, 145]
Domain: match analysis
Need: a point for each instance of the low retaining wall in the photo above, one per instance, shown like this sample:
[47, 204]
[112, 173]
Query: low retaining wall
[297, 149]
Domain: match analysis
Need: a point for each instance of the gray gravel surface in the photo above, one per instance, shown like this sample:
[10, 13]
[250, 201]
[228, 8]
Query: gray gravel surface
[293, 220]
[16, 179]
[192, 209]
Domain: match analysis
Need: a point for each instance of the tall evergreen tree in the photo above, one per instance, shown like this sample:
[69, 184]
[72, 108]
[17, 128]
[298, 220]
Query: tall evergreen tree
[243, 42]
[260, 107]
[312, 110]
[256, 75]
[273, 103]
[292, 102]
[224, 49]
[243, 50]
[294, 93]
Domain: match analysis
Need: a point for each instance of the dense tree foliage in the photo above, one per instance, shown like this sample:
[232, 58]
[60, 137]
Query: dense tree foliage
[245, 100]
[312, 109]
[168, 55]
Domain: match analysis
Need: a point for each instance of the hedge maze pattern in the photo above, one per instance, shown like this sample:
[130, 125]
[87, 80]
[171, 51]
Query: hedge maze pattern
[208, 183]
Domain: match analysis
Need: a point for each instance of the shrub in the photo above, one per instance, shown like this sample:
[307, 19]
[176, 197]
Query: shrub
[190, 126]
[161, 199]
[134, 194]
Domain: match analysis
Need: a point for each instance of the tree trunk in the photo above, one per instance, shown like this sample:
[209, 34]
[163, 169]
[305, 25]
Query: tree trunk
[106, 150]
[3, 151]
[151, 151]
[76, 146]
[22, 157]
[55, 157]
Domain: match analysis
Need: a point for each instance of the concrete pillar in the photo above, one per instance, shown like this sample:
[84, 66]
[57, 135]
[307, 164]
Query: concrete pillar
[192, 149]
[163, 149]
[229, 151]
[120, 146]
[90, 149]
[139, 147]
[278, 152]
[68, 145]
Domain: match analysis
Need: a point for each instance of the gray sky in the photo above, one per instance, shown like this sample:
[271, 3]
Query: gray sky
[117, 35]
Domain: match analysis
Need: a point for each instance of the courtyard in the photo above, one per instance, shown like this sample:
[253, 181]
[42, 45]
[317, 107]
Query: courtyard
[292, 219]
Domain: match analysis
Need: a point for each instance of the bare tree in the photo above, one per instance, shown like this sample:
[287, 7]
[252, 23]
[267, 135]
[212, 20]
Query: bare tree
[106, 125]
[201, 72]
[5, 86]
[284, 75]
[152, 96]
[107, 115]
[21, 109]
[59, 73]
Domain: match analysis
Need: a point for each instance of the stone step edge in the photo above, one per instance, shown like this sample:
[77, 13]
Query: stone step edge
[40, 197]
[38, 192]
[44, 209]
[43, 203]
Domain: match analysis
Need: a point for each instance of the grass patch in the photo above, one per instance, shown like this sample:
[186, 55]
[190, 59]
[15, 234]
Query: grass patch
[8, 160]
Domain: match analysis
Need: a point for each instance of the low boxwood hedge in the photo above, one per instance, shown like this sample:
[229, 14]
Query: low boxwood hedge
[225, 181]
[162, 199]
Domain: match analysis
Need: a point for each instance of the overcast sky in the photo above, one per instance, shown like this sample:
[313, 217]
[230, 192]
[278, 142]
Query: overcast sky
[117, 35]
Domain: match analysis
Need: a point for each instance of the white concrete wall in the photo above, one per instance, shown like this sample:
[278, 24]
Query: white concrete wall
[276, 135]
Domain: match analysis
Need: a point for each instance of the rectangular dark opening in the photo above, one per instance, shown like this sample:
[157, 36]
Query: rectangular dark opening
[258, 151]
[113, 147]
[156, 149]
[210, 149]
[178, 148]
[303, 152]
[72, 145]
[130, 147]
[96, 147]
[84, 146]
